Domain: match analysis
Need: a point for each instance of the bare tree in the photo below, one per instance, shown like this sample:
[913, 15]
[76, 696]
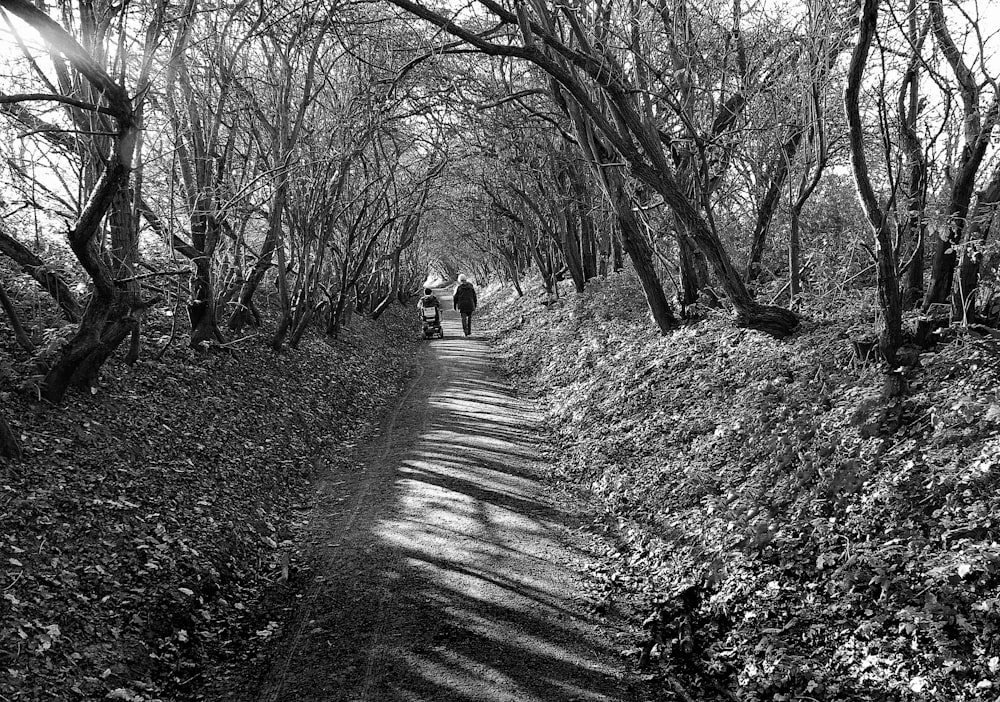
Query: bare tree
[111, 313]
[978, 121]
[592, 77]
[15, 322]
[47, 278]
[888, 284]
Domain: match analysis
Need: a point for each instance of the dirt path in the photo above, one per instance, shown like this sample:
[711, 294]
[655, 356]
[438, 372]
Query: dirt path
[445, 573]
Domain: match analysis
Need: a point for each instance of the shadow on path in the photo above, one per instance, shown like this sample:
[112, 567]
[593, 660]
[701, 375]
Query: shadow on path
[444, 574]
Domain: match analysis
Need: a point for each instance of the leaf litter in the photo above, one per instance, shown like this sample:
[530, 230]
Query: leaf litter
[148, 521]
[792, 535]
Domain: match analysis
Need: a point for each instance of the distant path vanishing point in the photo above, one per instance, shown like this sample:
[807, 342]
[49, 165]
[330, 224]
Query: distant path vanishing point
[444, 573]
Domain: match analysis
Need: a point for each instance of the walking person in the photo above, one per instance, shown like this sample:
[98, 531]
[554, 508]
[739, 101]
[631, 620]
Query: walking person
[465, 301]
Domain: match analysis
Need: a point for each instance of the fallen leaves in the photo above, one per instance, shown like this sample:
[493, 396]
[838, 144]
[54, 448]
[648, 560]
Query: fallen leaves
[843, 546]
[145, 523]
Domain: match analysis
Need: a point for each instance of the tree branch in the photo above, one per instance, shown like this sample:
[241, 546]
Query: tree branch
[36, 97]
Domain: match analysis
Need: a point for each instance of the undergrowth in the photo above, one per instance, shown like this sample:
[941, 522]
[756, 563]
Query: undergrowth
[148, 520]
[796, 538]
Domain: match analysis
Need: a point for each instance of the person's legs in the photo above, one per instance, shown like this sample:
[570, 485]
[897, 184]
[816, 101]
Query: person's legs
[467, 323]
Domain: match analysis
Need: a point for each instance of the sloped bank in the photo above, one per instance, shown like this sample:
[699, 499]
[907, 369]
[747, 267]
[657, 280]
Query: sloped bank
[795, 539]
[147, 525]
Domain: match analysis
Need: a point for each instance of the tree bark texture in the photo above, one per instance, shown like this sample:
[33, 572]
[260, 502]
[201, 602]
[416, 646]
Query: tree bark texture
[915, 167]
[640, 253]
[978, 128]
[9, 445]
[794, 257]
[769, 203]
[693, 271]
[569, 243]
[972, 254]
[588, 238]
[15, 322]
[106, 321]
[617, 114]
[775, 321]
[888, 285]
[48, 279]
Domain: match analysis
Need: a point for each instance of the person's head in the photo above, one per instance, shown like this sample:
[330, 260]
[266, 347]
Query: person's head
[462, 278]
[427, 291]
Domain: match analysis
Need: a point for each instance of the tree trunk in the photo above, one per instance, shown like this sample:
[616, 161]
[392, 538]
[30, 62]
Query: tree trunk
[946, 255]
[544, 269]
[245, 311]
[284, 302]
[604, 256]
[690, 271]
[106, 321]
[794, 255]
[570, 245]
[632, 239]
[9, 446]
[588, 238]
[48, 279]
[124, 228]
[80, 359]
[888, 286]
[972, 254]
[514, 274]
[776, 321]
[616, 255]
[691, 261]
[406, 239]
[351, 307]
[300, 326]
[588, 242]
[383, 305]
[202, 306]
[916, 168]
[913, 289]
[15, 322]
[968, 277]
[769, 203]
[336, 320]
[639, 252]
[977, 139]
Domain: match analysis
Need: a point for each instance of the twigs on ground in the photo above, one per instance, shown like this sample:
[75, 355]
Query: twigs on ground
[679, 689]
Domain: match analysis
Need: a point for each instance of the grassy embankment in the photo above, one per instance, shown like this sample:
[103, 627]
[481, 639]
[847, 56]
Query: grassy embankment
[148, 523]
[796, 539]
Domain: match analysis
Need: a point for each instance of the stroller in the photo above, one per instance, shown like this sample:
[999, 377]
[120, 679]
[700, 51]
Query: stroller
[431, 318]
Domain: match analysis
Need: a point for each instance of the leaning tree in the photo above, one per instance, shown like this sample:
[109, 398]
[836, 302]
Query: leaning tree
[619, 86]
[107, 122]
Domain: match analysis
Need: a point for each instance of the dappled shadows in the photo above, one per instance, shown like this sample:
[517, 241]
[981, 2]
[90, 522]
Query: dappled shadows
[446, 573]
[481, 583]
